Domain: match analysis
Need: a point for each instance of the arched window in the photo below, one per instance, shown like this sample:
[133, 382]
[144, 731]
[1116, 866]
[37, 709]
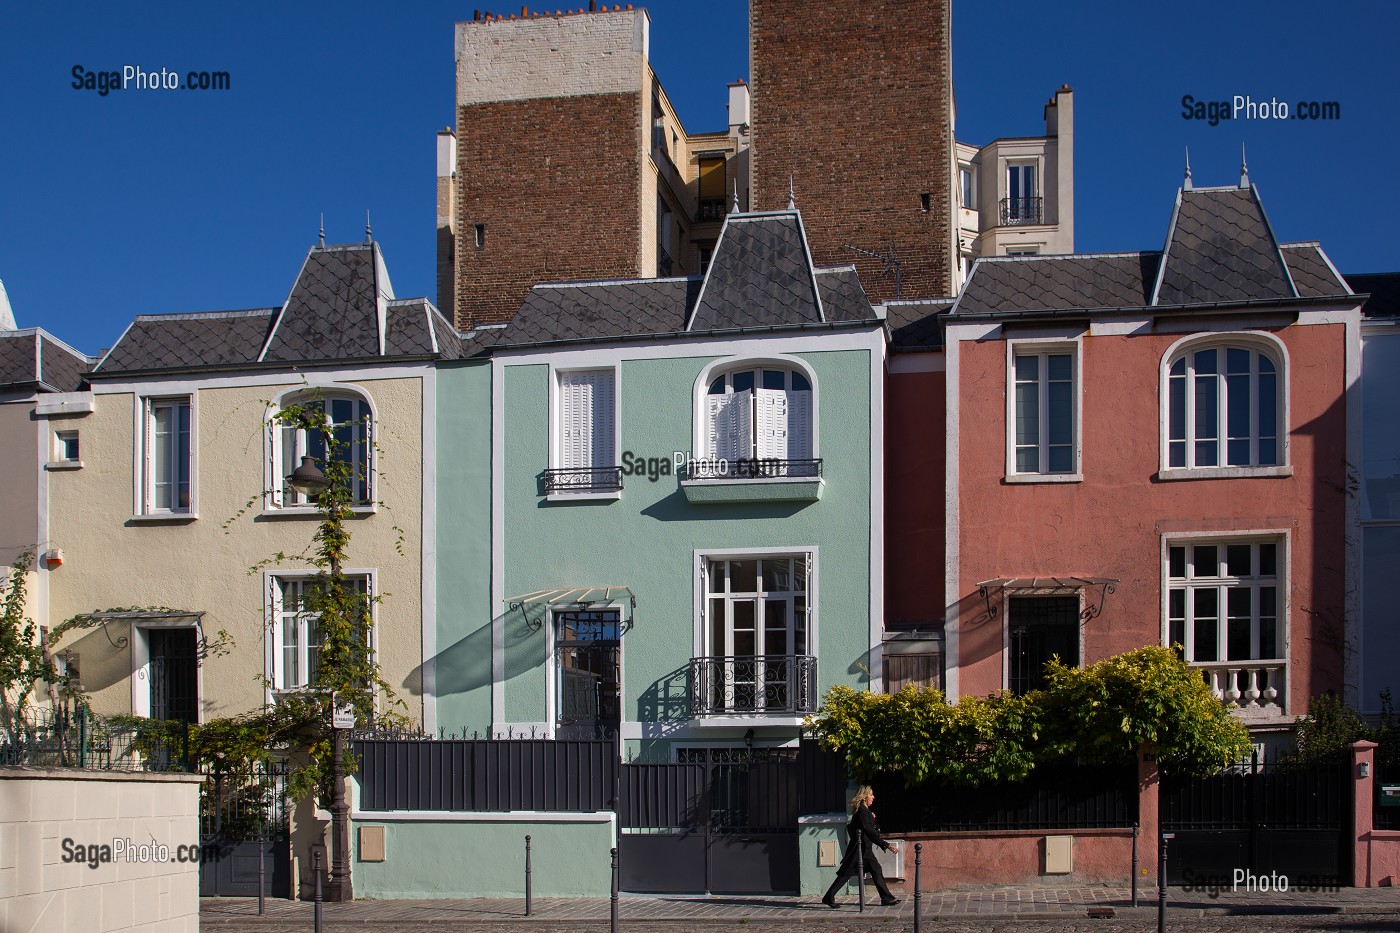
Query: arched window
[1225, 406]
[350, 421]
[762, 412]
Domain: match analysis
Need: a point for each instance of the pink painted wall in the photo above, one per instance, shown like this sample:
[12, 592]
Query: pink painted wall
[1110, 525]
[1377, 852]
[915, 461]
[1018, 857]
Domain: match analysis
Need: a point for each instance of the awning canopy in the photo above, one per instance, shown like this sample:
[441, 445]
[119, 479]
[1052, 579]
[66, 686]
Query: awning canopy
[586, 596]
[1050, 585]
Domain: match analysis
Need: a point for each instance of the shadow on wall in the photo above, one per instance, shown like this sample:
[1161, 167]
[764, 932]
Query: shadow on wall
[677, 508]
[465, 665]
[667, 699]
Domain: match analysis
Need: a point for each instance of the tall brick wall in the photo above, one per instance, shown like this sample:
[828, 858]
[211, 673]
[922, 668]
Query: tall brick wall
[853, 100]
[556, 183]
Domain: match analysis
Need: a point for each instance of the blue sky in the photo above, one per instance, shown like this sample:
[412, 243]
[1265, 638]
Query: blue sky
[185, 201]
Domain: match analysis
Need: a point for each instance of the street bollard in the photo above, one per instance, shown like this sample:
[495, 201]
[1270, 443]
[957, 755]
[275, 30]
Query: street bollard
[262, 853]
[527, 875]
[316, 891]
[612, 923]
[1162, 885]
[1135, 862]
[860, 870]
[918, 892]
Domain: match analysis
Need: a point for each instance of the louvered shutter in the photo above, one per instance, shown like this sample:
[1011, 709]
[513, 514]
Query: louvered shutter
[601, 420]
[773, 430]
[587, 402]
[799, 425]
[716, 413]
[741, 426]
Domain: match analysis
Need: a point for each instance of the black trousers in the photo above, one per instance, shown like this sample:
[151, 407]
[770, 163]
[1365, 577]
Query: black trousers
[848, 870]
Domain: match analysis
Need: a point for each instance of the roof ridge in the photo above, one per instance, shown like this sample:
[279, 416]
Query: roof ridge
[632, 281]
[204, 315]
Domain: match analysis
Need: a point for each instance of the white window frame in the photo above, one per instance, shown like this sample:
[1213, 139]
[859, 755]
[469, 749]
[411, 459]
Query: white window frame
[144, 473]
[1223, 583]
[1020, 164]
[277, 470]
[557, 426]
[141, 662]
[1043, 347]
[58, 459]
[554, 675]
[700, 442]
[1254, 341]
[700, 643]
[273, 616]
[967, 186]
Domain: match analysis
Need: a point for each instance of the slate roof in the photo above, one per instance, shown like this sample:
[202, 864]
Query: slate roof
[915, 325]
[1220, 248]
[760, 276]
[337, 308]
[1383, 289]
[34, 358]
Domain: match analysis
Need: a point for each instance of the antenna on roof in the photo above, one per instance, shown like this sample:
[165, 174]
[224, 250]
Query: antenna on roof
[321, 237]
[792, 196]
[369, 234]
[734, 209]
[891, 261]
[1244, 168]
[1187, 183]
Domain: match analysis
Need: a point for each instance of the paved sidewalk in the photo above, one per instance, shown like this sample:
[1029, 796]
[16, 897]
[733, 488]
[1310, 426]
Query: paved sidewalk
[1080, 902]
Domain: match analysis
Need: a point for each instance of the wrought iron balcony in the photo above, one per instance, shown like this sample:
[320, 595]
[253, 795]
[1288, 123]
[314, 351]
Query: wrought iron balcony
[663, 262]
[1022, 211]
[583, 479]
[749, 684]
[711, 209]
[751, 468]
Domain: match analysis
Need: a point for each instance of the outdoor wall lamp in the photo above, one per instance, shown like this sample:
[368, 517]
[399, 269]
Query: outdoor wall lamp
[748, 739]
[308, 479]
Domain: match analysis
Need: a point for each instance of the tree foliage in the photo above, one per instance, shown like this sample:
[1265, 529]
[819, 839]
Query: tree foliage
[1330, 727]
[23, 662]
[1148, 700]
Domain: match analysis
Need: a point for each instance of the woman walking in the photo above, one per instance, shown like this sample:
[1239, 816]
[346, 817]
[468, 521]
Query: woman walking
[864, 832]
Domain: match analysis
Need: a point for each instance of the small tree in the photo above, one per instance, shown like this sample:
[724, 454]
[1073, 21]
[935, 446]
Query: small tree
[23, 662]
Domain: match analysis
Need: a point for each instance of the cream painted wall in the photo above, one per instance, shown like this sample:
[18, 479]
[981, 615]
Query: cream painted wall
[204, 564]
[19, 465]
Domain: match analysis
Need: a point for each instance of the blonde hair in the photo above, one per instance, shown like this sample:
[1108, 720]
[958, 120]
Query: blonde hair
[863, 793]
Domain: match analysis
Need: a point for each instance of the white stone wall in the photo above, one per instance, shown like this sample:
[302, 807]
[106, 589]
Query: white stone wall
[551, 56]
[42, 893]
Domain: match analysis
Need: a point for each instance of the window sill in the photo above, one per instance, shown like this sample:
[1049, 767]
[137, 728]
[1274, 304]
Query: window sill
[309, 511]
[64, 465]
[1043, 478]
[166, 518]
[1179, 473]
[718, 720]
[604, 496]
[775, 489]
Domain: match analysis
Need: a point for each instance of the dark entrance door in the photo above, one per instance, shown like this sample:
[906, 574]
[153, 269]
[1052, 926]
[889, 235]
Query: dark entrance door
[243, 832]
[721, 821]
[1042, 627]
[588, 650]
[174, 674]
[1260, 818]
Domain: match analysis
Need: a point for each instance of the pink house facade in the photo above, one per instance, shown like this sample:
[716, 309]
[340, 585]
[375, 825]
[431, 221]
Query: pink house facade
[1145, 448]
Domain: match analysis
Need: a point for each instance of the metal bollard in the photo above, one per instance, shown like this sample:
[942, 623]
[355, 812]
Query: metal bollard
[1162, 885]
[1135, 862]
[262, 853]
[316, 891]
[918, 890]
[860, 870]
[612, 923]
[527, 875]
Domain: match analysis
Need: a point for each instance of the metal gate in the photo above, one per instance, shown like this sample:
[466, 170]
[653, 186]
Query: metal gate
[242, 823]
[722, 821]
[1262, 818]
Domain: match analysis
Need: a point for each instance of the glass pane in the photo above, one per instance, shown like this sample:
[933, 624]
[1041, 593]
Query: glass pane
[1268, 639]
[1177, 454]
[1268, 601]
[775, 641]
[1205, 362]
[1239, 647]
[290, 659]
[717, 387]
[182, 457]
[1060, 368]
[1027, 368]
[800, 383]
[1206, 406]
[774, 379]
[1176, 604]
[1205, 561]
[1205, 603]
[1267, 560]
[342, 410]
[777, 575]
[775, 625]
[1266, 365]
[744, 642]
[1237, 360]
[717, 576]
[743, 576]
[719, 623]
[1028, 460]
[1237, 415]
[1176, 632]
[1061, 413]
[744, 618]
[1178, 368]
[1176, 563]
[1176, 417]
[743, 382]
[1237, 560]
[162, 441]
[1061, 459]
[1237, 452]
[1206, 647]
[1027, 413]
[1238, 601]
[313, 650]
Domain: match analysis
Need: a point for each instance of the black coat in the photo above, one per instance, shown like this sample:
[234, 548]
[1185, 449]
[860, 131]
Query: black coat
[863, 823]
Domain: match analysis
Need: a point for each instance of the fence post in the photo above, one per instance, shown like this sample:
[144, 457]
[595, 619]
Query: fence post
[612, 922]
[1162, 885]
[82, 736]
[1135, 862]
[262, 855]
[918, 890]
[527, 874]
[316, 890]
[860, 869]
[1363, 791]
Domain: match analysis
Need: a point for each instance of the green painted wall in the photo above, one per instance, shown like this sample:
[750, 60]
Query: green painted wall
[646, 539]
[486, 859]
[815, 878]
[463, 661]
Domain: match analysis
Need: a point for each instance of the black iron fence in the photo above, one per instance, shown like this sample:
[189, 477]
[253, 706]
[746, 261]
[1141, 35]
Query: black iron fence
[486, 775]
[72, 736]
[583, 479]
[1054, 797]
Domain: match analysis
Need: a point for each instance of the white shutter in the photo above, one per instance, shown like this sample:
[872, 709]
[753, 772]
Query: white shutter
[586, 419]
[716, 413]
[602, 452]
[741, 425]
[799, 425]
[773, 431]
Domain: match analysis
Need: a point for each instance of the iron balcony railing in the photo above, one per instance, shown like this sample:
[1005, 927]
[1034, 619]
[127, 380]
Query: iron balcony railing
[751, 468]
[711, 209]
[744, 684]
[583, 479]
[663, 262]
[1022, 211]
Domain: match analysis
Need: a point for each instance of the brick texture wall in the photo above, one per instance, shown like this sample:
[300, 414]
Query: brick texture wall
[853, 100]
[556, 182]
